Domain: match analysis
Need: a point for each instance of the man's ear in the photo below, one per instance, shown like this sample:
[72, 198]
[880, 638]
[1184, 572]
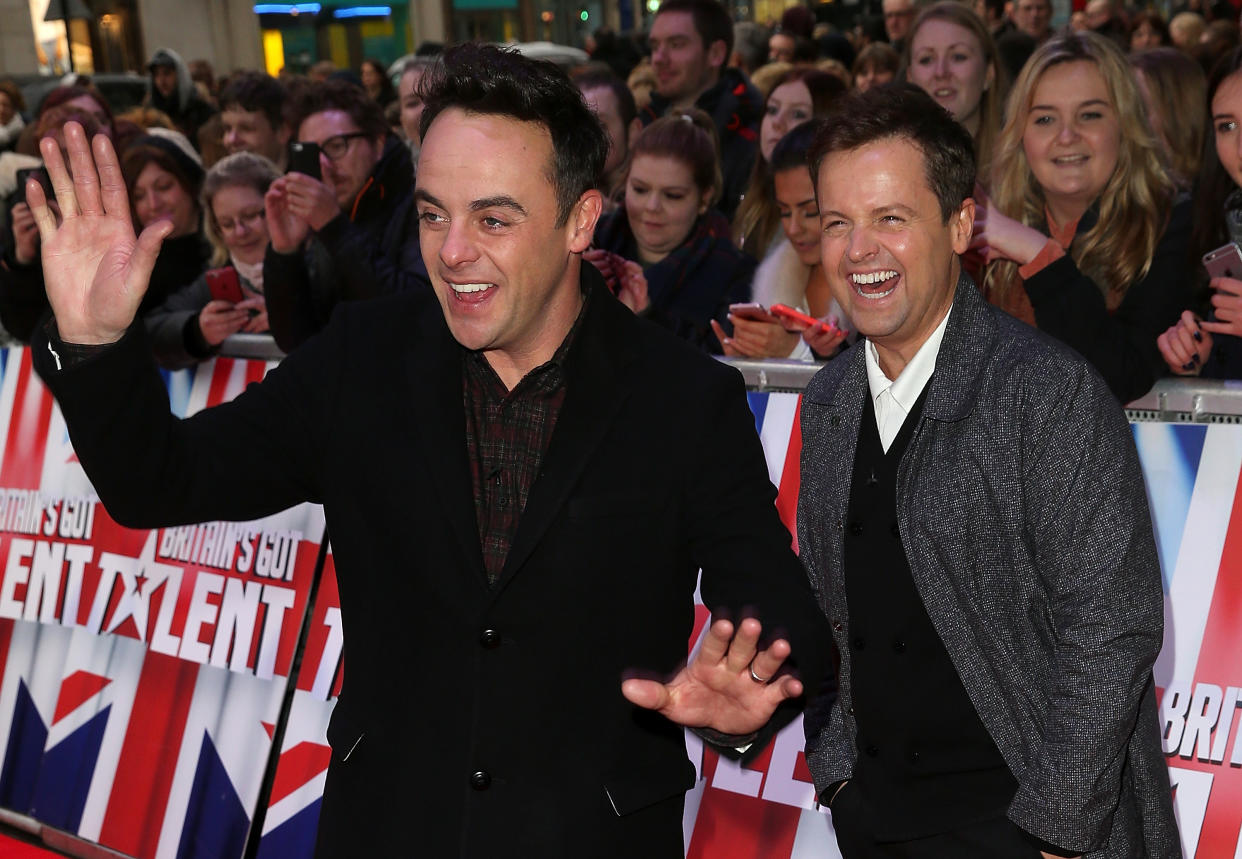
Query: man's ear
[962, 225]
[583, 218]
[717, 54]
[283, 133]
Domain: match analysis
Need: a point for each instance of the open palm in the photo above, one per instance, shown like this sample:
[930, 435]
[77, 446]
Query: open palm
[94, 268]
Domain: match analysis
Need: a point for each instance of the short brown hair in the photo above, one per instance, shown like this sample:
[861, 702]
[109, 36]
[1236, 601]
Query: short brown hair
[339, 95]
[689, 137]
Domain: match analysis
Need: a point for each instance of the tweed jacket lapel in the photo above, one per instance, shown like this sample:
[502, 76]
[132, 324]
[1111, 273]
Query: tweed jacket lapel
[960, 364]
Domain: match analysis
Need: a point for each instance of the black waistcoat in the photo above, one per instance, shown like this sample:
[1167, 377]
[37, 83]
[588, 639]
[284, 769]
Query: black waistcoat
[926, 764]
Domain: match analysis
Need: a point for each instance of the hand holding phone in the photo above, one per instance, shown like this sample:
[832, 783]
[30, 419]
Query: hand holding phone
[752, 311]
[1225, 261]
[786, 313]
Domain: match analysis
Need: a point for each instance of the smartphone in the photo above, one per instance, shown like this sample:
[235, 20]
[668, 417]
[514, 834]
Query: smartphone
[753, 311]
[784, 311]
[225, 285]
[39, 173]
[304, 158]
[1225, 261]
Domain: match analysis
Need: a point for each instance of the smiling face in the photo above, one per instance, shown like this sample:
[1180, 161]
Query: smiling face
[795, 199]
[662, 203]
[1072, 137]
[947, 62]
[1226, 114]
[890, 258]
[788, 106]
[684, 66]
[157, 195]
[240, 219]
[504, 271]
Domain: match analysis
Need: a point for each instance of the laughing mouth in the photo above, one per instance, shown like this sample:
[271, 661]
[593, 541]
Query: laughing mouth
[874, 284]
[465, 288]
[1069, 160]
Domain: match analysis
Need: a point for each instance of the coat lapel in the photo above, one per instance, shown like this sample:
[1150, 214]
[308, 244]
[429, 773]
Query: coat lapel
[438, 418]
[597, 385]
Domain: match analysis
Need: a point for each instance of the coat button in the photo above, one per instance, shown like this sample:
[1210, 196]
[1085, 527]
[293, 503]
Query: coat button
[840, 524]
[835, 420]
[480, 780]
[850, 710]
[855, 528]
[872, 752]
[860, 643]
[489, 638]
[899, 646]
[837, 625]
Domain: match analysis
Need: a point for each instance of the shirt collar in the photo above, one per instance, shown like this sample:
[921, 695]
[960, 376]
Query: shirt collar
[909, 384]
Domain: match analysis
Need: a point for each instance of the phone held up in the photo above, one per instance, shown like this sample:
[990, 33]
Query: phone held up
[304, 158]
[1225, 261]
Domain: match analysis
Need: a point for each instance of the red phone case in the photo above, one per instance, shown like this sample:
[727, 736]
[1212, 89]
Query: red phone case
[787, 312]
[224, 285]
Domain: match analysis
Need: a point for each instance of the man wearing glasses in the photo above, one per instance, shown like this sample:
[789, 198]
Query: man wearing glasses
[338, 236]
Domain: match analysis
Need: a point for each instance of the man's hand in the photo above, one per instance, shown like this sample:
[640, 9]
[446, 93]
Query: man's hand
[718, 689]
[94, 269]
[286, 230]
[311, 200]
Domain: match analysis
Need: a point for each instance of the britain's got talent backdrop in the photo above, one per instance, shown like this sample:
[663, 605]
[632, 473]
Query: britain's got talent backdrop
[145, 675]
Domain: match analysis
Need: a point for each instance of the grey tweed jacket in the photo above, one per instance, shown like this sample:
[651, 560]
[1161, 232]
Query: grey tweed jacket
[1023, 513]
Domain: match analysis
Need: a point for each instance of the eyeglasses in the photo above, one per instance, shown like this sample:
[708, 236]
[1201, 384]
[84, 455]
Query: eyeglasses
[336, 146]
[246, 219]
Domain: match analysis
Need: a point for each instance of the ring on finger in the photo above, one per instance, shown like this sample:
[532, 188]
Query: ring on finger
[753, 676]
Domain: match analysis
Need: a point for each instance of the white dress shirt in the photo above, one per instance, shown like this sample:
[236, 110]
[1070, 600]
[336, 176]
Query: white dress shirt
[893, 398]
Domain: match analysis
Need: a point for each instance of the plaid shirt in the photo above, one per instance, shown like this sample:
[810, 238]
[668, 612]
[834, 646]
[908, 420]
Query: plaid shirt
[507, 434]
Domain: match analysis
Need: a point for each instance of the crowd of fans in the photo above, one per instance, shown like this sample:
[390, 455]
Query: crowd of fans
[1109, 151]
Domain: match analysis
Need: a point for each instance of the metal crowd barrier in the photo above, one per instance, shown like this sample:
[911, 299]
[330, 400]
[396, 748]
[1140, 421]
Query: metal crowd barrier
[1170, 401]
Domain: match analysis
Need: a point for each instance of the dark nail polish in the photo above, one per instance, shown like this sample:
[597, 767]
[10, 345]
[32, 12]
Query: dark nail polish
[1194, 359]
[1198, 335]
[1189, 365]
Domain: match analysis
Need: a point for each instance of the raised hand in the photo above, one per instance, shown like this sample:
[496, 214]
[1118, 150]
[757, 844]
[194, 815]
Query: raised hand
[731, 686]
[94, 269]
[286, 229]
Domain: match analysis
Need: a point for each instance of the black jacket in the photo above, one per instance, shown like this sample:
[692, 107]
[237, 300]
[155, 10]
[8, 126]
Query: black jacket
[475, 720]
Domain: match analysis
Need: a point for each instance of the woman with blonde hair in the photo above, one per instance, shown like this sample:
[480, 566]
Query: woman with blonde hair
[1085, 232]
[950, 55]
[192, 322]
